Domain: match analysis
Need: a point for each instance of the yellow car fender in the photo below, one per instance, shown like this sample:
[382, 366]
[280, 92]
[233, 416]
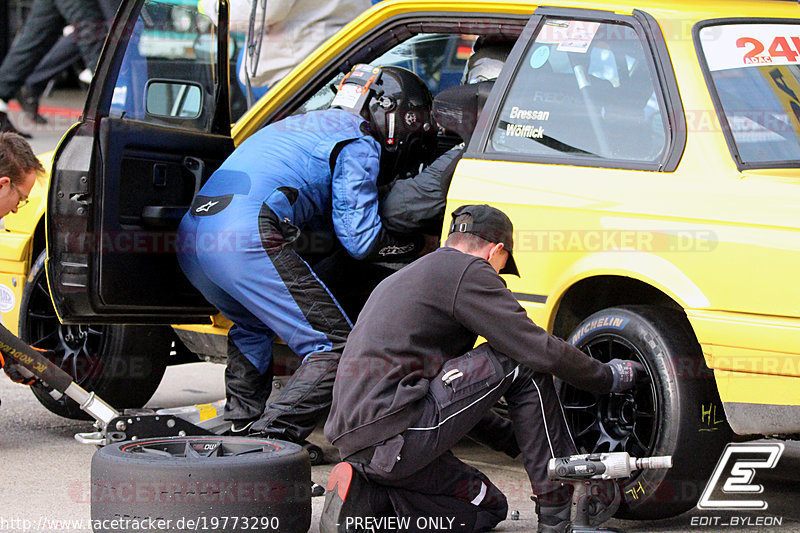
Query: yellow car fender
[642, 266]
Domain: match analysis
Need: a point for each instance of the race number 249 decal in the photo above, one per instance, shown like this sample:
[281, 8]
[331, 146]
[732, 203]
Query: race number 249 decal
[780, 47]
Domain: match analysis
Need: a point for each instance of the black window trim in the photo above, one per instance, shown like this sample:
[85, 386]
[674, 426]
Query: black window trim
[661, 70]
[712, 89]
[99, 95]
[398, 27]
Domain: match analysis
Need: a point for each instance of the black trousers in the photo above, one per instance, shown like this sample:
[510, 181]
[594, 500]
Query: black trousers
[61, 56]
[307, 396]
[426, 482]
[64, 53]
[306, 399]
[41, 31]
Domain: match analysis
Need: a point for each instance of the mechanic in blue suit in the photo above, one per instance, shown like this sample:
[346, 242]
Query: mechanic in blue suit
[236, 238]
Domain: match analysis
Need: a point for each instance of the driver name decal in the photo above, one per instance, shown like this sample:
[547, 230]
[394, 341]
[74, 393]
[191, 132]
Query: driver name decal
[530, 131]
[525, 130]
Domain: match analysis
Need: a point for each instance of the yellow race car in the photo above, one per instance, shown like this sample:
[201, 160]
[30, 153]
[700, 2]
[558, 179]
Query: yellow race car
[647, 153]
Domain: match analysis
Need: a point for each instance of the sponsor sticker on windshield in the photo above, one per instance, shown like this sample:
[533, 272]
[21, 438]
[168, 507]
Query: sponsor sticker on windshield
[569, 35]
[732, 46]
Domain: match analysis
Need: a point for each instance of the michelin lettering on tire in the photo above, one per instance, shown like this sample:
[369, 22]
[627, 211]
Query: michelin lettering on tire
[614, 322]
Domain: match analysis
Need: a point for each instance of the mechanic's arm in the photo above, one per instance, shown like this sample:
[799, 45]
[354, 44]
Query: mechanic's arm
[485, 306]
[414, 204]
[355, 207]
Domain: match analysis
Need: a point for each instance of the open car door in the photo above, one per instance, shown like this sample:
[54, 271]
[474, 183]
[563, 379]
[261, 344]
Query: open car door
[155, 126]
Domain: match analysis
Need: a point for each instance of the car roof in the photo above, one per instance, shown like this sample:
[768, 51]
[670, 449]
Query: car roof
[675, 9]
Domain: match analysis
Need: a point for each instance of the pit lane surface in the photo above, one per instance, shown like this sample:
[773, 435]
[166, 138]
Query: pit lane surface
[45, 479]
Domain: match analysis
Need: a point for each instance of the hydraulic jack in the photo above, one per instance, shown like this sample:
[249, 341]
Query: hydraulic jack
[112, 425]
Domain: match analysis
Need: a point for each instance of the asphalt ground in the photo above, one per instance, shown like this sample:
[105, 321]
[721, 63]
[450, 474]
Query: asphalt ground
[61, 108]
[46, 477]
[45, 480]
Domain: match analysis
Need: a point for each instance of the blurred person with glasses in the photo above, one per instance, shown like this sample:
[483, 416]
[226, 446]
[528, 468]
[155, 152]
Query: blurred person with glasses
[19, 170]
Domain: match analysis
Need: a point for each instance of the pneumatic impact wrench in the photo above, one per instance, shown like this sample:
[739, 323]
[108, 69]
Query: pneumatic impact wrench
[578, 470]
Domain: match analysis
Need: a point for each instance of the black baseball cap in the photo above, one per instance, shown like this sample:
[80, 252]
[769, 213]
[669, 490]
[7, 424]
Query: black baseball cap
[490, 224]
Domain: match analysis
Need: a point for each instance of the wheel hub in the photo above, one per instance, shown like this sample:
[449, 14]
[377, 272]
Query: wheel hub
[620, 415]
[73, 337]
[617, 421]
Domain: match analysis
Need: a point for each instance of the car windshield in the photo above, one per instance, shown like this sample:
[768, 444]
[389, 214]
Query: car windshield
[755, 71]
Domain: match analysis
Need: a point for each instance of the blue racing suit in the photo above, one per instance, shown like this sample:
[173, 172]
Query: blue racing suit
[235, 250]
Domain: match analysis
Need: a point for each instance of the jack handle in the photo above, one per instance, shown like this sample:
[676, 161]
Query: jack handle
[17, 352]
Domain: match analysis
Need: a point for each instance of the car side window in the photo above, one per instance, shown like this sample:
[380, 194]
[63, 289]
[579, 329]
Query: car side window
[168, 72]
[438, 58]
[583, 89]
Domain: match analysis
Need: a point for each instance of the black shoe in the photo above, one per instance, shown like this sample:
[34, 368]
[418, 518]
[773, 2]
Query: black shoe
[554, 518]
[352, 503]
[6, 125]
[29, 102]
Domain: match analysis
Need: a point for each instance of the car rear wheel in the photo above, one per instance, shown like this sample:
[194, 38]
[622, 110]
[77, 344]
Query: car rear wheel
[668, 414]
[122, 364]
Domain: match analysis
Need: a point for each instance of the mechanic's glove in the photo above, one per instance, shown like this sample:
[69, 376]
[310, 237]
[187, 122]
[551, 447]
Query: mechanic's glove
[18, 374]
[12, 372]
[625, 374]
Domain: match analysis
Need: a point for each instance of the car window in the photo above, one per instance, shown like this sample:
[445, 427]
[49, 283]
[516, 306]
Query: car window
[755, 70]
[168, 73]
[438, 58]
[583, 89]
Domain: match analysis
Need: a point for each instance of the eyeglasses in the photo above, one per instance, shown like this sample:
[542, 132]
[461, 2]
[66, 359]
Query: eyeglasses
[23, 199]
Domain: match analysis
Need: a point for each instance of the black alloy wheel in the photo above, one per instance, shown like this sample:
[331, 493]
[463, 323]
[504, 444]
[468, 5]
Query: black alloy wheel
[662, 415]
[616, 422]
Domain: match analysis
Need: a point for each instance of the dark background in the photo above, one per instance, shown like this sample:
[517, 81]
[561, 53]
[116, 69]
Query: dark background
[12, 15]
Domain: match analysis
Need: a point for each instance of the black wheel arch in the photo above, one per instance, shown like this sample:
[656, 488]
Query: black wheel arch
[593, 294]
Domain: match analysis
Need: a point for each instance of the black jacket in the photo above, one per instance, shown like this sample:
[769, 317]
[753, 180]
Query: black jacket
[418, 318]
[417, 204]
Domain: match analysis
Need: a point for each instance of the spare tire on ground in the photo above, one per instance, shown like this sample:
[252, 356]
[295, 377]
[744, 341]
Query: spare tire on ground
[201, 483]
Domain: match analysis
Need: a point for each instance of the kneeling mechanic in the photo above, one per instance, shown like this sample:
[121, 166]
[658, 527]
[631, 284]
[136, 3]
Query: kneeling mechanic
[409, 387]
